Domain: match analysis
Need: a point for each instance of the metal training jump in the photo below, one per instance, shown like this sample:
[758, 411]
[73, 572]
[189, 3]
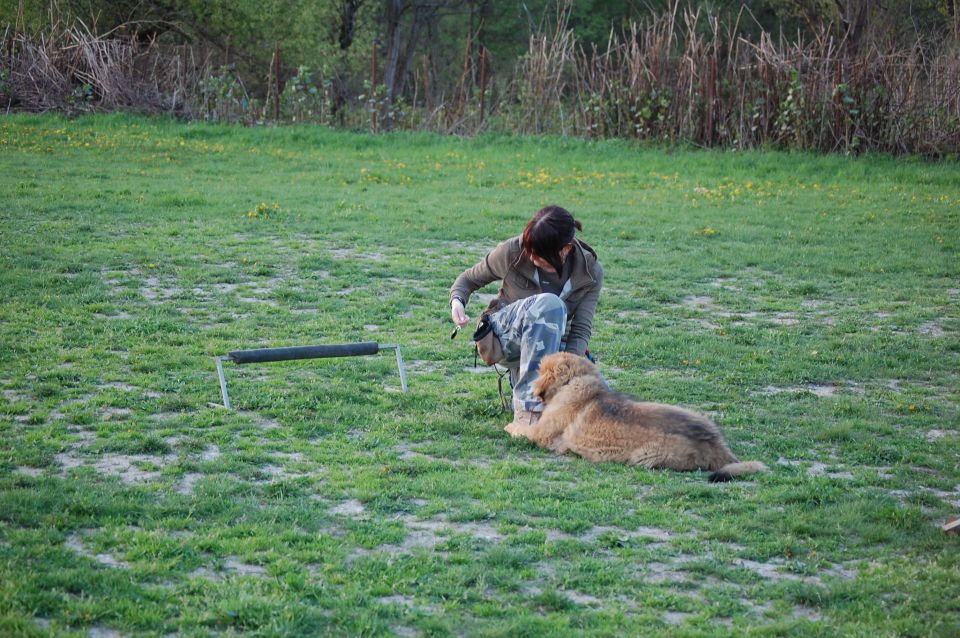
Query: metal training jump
[265, 355]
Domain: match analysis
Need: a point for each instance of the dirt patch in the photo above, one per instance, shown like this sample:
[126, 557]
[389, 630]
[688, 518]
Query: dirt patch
[633, 315]
[785, 319]
[126, 387]
[817, 468]
[671, 571]
[243, 569]
[905, 497]
[675, 617]
[12, 396]
[205, 573]
[820, 390]
[185, 486]
[726, 283]
[75, 543]
[153, 289]
[421, 535]
[699, 302]
[114, 317]
[117, 385]
[163, 417]
[410, 602]
[652, 533]
[406, 601]
[422, 366]
[708, 325]
[278, 473]
[774, 570]
[427, 534]
[406, 452]
[766, 570]
[67, 461]
[268, 302]
[352, 508]
[127, 468]
[659, 573]
[115, 414]
[262, 422]
[483, 531]
[932, 329]
[432, 530]
[822, 469]
[580, 598]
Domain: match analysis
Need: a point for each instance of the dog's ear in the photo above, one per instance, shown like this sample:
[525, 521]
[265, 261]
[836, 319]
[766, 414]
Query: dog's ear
[585, 367]
[561, 372]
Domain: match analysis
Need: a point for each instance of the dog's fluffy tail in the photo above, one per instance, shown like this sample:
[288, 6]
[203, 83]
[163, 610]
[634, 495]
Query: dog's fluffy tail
[731, 471]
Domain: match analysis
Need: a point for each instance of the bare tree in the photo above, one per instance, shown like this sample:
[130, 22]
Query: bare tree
[348, 14]
[406, 21]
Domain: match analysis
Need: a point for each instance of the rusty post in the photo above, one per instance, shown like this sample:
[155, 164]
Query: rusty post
[711, 98]
[483, 79]
[463, 78]
[276, 76]
[838, 105]
[373, 88]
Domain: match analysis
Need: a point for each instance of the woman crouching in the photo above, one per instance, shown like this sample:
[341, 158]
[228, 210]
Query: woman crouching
[550, 284]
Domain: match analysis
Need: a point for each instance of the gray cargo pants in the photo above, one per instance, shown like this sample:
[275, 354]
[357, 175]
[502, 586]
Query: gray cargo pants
[529, 330]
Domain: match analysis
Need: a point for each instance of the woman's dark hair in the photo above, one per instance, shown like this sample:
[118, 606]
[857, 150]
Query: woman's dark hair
[548, 231]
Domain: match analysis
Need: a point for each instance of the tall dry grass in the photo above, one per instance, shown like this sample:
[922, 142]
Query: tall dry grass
[683, 76]
[70, 68]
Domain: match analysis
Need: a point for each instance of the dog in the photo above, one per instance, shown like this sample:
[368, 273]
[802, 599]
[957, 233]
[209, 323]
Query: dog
[584, 416]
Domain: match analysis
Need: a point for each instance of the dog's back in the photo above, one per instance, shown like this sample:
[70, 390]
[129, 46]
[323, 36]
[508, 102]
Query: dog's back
[587, 418]
[651, 434]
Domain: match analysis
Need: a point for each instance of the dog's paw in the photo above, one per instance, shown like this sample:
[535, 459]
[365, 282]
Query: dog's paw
[514, 429]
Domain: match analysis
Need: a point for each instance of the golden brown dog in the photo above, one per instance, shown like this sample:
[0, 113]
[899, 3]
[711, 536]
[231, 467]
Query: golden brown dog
[582, 415]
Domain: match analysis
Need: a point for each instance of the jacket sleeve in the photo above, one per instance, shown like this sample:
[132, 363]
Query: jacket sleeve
[581, 326]
[489, 269]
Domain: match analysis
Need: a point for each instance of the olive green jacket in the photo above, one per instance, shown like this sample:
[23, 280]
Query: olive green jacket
[507, 263]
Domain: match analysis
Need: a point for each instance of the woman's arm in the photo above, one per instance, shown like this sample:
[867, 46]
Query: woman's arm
[581, 327]
[491, 268]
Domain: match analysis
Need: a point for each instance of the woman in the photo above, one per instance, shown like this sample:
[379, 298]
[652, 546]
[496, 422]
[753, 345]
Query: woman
[550, 285]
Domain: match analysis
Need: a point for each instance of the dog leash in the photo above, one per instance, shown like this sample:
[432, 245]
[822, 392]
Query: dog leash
[504, 404]
[500, 376]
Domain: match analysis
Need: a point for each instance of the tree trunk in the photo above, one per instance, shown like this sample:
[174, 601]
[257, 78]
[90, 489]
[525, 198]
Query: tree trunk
[395, 9]
[855, 15]
[413, 38]
[348, 14]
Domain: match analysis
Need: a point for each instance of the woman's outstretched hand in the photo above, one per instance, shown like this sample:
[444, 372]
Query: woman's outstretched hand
[457, 313]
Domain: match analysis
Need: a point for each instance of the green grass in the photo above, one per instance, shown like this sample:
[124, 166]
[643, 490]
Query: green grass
[809, 304]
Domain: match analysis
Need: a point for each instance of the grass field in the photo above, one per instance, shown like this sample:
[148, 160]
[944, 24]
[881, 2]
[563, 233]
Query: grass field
[808, 304]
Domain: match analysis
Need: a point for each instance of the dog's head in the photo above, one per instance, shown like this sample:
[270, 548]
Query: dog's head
[557, 370]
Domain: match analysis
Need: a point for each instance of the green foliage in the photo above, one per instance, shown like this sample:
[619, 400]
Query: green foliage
[828, 79]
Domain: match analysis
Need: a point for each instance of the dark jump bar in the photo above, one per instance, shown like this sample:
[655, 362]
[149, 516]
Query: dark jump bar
[266, 355]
